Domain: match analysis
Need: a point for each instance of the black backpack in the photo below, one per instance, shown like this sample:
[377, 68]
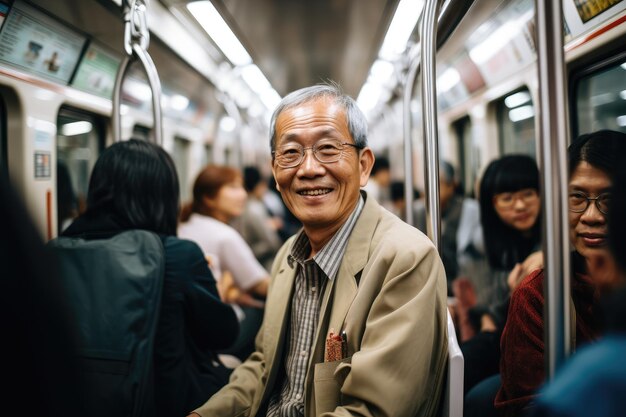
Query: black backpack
[114, 288]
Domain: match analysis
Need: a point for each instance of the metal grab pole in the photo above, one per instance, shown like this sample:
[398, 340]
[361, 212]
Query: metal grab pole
[408, 142]
[428, 40]
[136, 41]
[553, 155]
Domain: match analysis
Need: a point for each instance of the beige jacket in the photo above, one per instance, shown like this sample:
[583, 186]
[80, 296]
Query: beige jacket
[390, 298]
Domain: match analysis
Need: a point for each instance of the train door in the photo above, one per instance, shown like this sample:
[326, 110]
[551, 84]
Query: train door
[516, 123]
[180, 155]
[80, 139]
[599, 94]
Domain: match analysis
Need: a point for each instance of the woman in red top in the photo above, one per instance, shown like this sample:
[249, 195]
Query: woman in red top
[591, 160]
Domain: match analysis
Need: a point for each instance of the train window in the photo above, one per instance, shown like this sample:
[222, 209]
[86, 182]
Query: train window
[180, 155]
[468, 155]
[516, 123]
[80, 138]
[601, 99]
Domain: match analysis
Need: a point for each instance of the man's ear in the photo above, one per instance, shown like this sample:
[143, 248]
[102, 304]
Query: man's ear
[366, 162]
[274, 174]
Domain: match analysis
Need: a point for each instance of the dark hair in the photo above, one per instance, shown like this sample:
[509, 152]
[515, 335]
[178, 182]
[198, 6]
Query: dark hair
[505, 245]
[357, 123]
[600, 149]
[136, 182]
[447, 171]
[380, 164]
[251, 178]
[208, 184]
[396, 190]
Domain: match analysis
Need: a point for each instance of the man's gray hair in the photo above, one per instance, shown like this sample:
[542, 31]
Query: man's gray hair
[357, 124]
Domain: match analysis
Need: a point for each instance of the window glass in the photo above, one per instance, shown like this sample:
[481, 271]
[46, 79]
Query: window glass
[601, 100]
[516, 123]
[469, 155]
[80, 138]
[180, 155]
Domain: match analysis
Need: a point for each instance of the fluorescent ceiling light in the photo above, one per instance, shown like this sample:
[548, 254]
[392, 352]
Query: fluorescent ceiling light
[482, 52]
[179, 102]
[521, 113]
[137, 89]
[623, 65]
[369, 96]
[213, 23]
[270, 98]
[76, 128]
[448, 79]
[381, 71]
[621, 120]
[253, 76]
[602, 99]
[622, 94]
[403, 22]
[517, 99]
[228, 124]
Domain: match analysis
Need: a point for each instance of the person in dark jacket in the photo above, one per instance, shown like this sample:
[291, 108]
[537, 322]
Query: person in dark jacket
[134, 186]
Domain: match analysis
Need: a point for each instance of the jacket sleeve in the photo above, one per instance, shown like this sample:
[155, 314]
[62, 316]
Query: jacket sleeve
[211, 323]
[521, 362]
[247, 380]
[399, 369]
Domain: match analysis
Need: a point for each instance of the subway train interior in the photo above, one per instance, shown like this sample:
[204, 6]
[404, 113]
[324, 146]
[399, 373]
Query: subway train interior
[202, 78]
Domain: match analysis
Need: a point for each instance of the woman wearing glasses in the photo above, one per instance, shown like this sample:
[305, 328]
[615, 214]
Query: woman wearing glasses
[219, 197]
[591, 161]
[510, 210]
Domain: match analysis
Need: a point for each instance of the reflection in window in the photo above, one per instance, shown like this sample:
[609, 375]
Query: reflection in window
[469, 155]
[79, 141]
[601, 100]
[516, 123]
[180, 155]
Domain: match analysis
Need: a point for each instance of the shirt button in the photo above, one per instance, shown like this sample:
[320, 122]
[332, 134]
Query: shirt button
[298, 396]
[303, 353]
[313, 289]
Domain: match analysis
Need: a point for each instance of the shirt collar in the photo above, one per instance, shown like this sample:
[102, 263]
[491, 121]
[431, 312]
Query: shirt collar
[330, 256]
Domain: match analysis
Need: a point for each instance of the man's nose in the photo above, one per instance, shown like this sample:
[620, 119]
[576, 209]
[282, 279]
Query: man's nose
[310, 164]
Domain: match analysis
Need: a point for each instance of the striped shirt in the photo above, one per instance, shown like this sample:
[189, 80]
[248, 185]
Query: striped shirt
[311, 278]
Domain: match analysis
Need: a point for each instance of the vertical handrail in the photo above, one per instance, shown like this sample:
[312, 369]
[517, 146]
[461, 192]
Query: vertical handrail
[553, 156]
[428, 40]
[136, 41]
[408, 142]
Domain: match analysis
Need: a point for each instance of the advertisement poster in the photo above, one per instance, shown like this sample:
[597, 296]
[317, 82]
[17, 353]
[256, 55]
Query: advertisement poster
[96, 72]
[34, 42]
[588, 9]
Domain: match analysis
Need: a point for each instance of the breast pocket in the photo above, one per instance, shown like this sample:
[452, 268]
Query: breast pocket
[327, 382]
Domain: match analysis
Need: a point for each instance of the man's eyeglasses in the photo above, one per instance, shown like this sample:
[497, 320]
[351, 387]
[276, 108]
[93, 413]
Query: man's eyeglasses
[579, 202]
[325, 151]
[507, 200]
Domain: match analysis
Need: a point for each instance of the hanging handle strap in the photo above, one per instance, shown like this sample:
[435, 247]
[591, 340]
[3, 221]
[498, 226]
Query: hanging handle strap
[136, 41]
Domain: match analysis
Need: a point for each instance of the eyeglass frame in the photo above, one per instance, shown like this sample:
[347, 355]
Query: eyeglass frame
[535, 195]
[313, 149]
[589, 200]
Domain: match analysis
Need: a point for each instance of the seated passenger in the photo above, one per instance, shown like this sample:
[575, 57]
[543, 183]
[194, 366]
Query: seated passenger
[592, 159]
[218, 198]
[257, 227]
[355, 321]
[134, 186]
[593, 381]
[510, 210]
[462, 248]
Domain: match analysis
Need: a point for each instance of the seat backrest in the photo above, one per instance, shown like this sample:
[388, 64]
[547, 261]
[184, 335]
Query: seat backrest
[114, 287]
[453, 401]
